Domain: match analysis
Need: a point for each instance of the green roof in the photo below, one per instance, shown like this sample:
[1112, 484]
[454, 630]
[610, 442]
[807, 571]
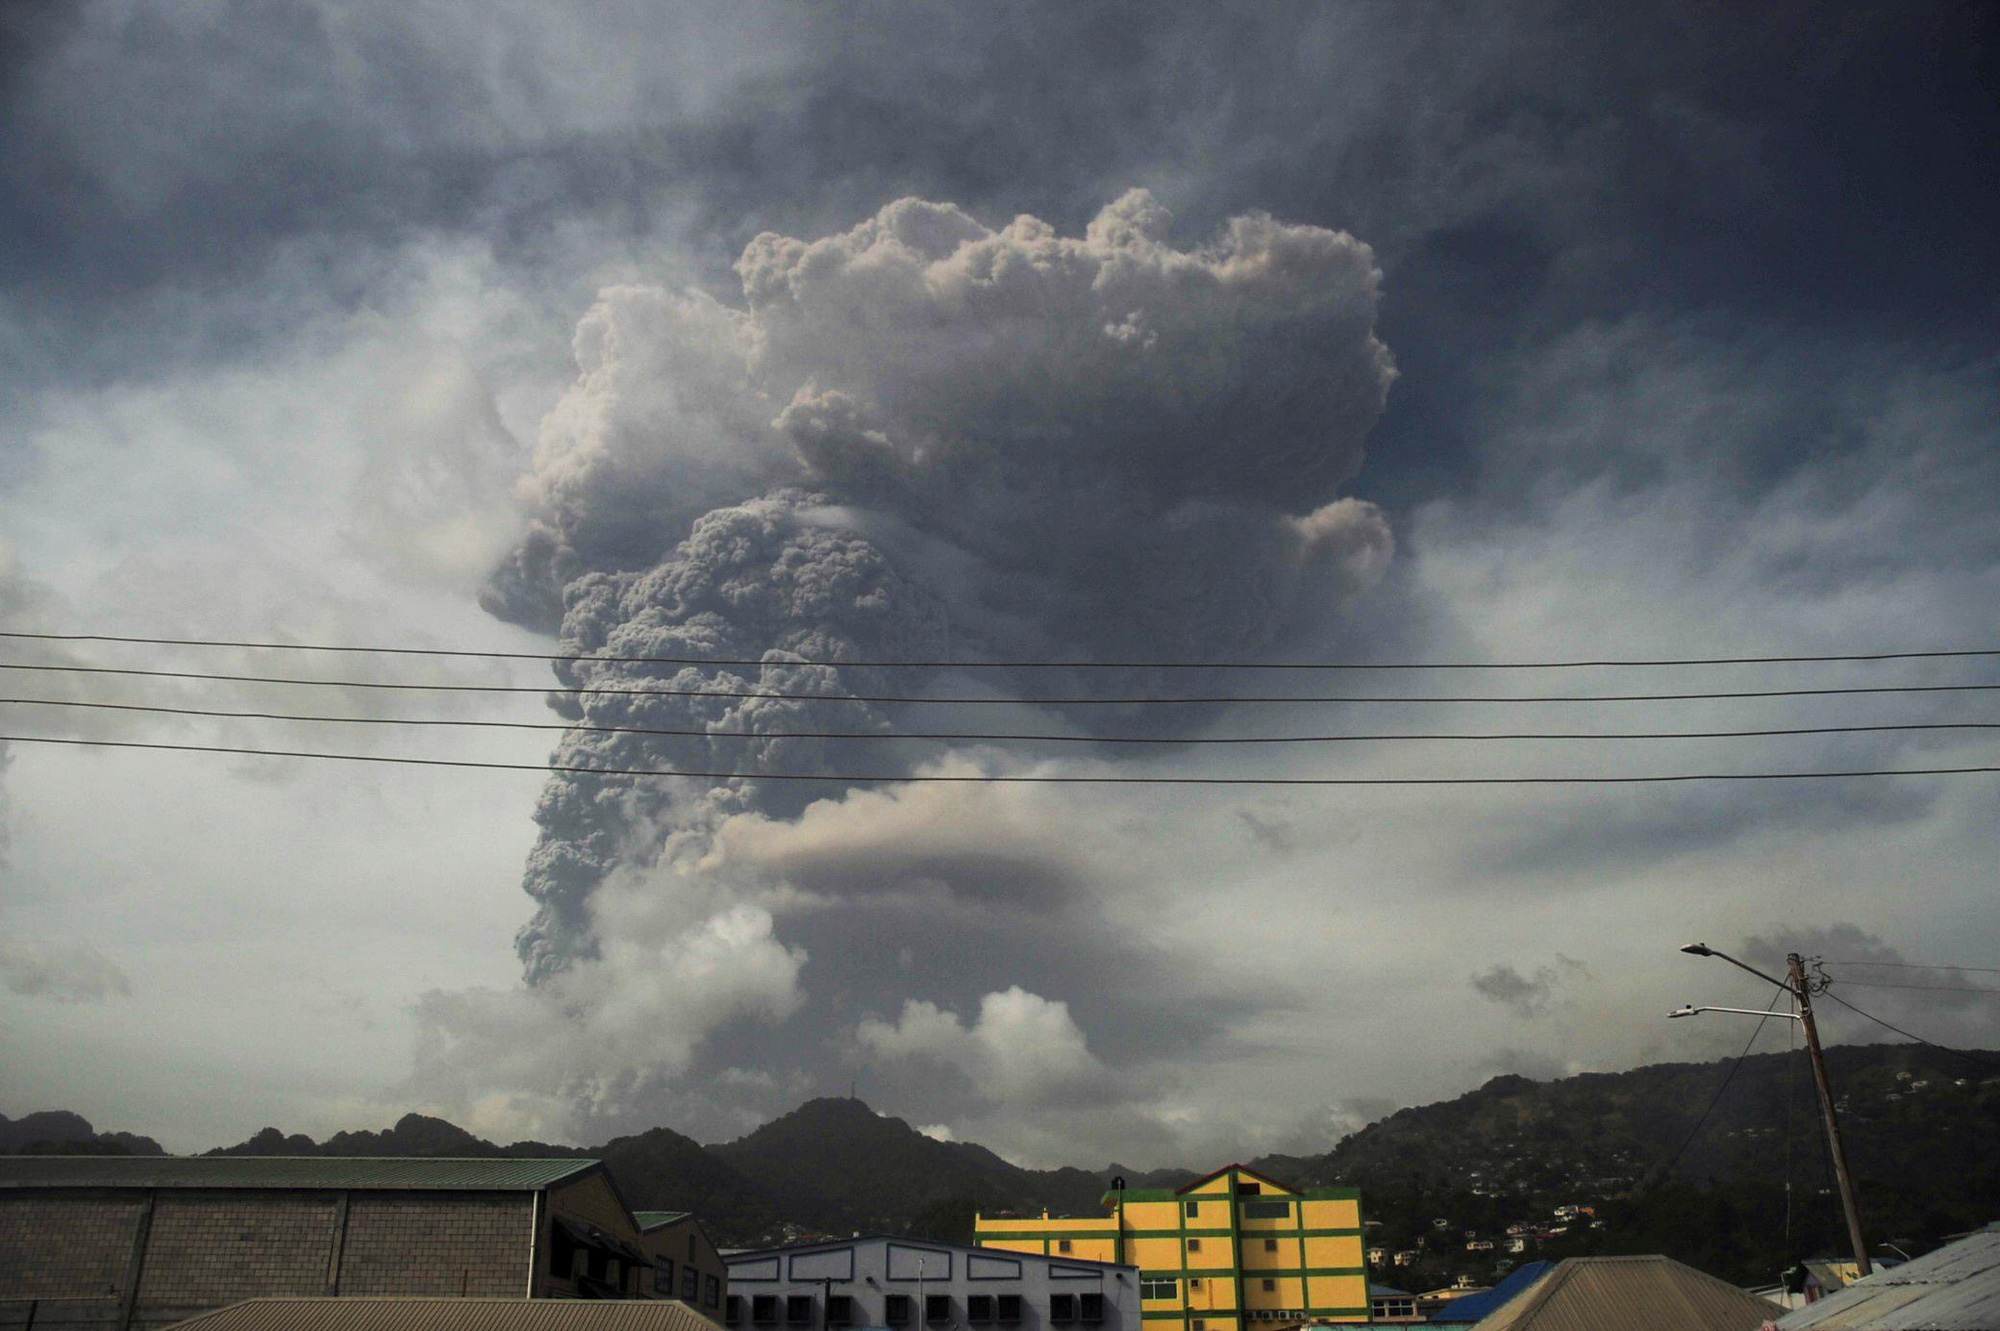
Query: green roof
[286, 1171]
[649, 1220]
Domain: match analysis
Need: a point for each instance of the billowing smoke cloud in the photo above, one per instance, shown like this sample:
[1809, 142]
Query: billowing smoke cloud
[65, 973]
[1021, 1048]
[920, 439]
[1532, 995]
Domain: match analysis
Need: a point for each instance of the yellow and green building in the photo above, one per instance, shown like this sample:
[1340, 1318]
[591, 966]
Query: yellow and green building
[1234, 1251]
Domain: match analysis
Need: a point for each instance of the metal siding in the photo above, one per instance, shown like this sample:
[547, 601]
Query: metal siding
[655, 1219]
[284, 1172]
[1956, 1288]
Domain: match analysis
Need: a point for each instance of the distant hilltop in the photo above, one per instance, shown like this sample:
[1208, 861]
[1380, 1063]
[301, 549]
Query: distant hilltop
[59, 1132]
[1923, 1131]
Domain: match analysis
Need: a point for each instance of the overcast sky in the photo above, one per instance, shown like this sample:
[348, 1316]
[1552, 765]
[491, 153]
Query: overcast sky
[1360, 332]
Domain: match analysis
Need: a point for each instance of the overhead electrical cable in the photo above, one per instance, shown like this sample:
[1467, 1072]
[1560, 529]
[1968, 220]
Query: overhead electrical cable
[1928, 988]
[986, 779]
[1013, 665]
[1916, 966]
[1734, 1067]
[982, 700]
[991, 736]
[1943, 1048]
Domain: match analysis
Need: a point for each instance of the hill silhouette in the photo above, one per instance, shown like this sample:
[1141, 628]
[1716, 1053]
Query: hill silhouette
[1690, 1159]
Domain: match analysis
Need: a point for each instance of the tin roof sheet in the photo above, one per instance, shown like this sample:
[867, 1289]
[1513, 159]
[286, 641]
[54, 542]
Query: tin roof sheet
[1631, 1294]
[650, 1220]
[412, 1314]
[1474, 1307]
[1956, 1288]
[253, 1171]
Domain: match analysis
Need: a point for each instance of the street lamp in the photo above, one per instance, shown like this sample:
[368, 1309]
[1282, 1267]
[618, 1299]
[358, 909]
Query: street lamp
[1746, 1011]
[1801, 992]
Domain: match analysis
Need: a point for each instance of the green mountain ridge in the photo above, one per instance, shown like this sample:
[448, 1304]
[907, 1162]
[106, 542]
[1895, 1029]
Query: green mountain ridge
[1922, 1127]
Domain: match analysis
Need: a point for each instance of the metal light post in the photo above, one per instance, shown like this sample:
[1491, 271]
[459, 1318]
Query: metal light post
[1795, 984]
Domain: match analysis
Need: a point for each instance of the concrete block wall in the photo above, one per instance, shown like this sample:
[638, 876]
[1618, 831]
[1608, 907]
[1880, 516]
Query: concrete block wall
[475, 1245]
[66, 1247]
[207, 1249]
[212, 1249]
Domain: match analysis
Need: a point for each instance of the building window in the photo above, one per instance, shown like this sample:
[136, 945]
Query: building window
[691, 1283]
[1090, 1307]
[663, 1277]
[764, 1309]
[1270, 1245]
[1266, 1210]
[896, 1310]
[1157, 1287]
[1010, 1309]
[732, 1310]
[979, 1308]
[1193, 1209]
[1062, 1245]
[1200, 1325]
[711, 1293]
[1194, 1282]
[799, 1309]
[1062, 1307]
[839, 1310]
[1194, 1245]
[937, 1308]
[1270, 1285]
[1244, 1188]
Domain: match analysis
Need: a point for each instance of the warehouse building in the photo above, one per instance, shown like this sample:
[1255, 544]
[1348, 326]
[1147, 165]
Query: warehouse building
[906, 1284]
[1233, 1251]
[142, 1242]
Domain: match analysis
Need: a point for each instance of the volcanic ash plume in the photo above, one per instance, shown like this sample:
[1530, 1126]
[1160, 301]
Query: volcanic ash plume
[921, 439]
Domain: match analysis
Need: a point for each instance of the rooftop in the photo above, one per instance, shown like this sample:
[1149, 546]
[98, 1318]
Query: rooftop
[288, 1171]
[1633, 1294]
[412, 1314]
[1956, 1288]
[649, 1220]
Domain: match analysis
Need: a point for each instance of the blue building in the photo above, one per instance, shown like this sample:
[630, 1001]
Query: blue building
[915, 1285]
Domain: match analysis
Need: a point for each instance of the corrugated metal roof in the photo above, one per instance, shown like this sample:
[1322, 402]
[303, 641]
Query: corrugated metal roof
[1956, 1288]
[1474, 1307]
[256, 1171]
[655, 1219]
[1630, 1294]
[366, 1314]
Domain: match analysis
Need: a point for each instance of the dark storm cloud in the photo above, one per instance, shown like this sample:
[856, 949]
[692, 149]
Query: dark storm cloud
[1572, 204]
[1549, 159]
[1873, 974]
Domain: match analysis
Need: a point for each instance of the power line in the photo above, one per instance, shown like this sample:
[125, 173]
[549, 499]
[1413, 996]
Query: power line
[1917, 966]
[1931, 988]
[994, 735]
[1014, 665]
[861, 779]
[1945, 1048]
[1091, 701]
[1730, 1076]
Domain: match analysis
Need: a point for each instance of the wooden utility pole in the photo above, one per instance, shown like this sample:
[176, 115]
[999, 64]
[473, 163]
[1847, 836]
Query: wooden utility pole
[1803, 993]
